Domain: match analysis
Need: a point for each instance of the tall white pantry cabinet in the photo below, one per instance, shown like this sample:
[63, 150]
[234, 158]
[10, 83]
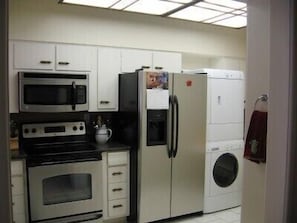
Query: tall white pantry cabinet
[103, 64]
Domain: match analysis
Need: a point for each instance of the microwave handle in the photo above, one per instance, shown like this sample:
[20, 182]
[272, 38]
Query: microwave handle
[73, 95]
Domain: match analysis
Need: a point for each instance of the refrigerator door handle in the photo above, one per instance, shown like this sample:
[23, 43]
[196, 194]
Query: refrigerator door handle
[170, 143]
[176, 125]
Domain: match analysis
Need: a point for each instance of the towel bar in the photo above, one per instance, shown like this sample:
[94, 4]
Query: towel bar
[262, 98]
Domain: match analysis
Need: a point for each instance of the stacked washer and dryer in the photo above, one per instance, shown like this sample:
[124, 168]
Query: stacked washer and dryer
[224, 148]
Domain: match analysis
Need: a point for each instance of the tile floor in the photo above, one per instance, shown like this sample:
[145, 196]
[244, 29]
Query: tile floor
[226, 216]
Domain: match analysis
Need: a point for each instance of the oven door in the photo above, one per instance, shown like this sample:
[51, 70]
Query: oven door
[66, 189]
[42, 92]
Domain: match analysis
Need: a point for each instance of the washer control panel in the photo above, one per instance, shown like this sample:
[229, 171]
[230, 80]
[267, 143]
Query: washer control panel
[38, 130]
[224, 146]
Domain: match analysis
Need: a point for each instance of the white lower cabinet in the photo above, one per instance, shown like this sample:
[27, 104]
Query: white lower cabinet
[19, 197]
[116, 184]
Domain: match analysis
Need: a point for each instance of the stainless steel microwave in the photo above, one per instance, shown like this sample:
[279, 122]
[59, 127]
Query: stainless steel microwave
[53, 92]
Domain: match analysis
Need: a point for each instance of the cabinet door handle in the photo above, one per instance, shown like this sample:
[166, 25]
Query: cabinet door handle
[117, 173]
[13, 203]
[12, 185]
[117, 189]
[45, 62]
[63, 63]
[117, 206]
[145, 67]
[104, 102]
[159, 68]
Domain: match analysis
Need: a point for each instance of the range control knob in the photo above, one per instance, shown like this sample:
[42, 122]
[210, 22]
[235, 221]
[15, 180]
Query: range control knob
[81, 128]
[33, 130]
[74, 128]
[26, 131]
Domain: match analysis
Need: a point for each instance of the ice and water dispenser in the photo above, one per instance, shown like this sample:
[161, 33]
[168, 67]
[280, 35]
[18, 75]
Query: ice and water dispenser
[156, 127]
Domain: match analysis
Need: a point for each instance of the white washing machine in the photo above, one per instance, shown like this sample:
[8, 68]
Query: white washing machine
[223, 175]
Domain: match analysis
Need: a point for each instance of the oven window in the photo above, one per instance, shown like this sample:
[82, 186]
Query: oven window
[66, 188]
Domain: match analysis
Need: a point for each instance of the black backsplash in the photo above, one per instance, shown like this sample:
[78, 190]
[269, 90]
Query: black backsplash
[108, 118]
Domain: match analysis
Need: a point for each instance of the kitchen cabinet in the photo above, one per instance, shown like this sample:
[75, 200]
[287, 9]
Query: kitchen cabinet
[19, 197]
[167, 61]
[73, 58]
[37, 56]
[109, 67]
[116, 184]
[133, 59]
[136, 59]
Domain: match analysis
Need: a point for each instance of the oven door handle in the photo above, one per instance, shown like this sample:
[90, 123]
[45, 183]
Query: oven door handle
[46, 163]
[73, 92]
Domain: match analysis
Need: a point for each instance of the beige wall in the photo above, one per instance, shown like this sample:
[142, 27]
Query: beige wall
[257, 83]
[45, 20]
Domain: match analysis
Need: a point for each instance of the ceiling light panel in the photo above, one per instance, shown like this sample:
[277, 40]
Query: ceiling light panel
[218, 18]
[214, 7]
[178, 1]
[194, 13]
[119, 5]
[94, 3]
[228, 3]
[234, 22]
[155, 7]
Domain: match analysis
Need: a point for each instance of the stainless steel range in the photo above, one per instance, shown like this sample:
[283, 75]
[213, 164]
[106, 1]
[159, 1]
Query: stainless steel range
[64, 173]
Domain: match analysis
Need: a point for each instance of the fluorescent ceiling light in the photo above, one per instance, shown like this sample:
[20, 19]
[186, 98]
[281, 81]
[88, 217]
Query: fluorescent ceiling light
[218, 18]
[215, 7]
[235, 22]
[194, 13]
[228, 3]
[155, 7]
[178, 1]
[230, 13]
[122, 4]
[94, 3]
[238, 12]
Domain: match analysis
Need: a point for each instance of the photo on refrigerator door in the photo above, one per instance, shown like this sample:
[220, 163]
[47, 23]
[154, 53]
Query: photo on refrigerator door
[157, 80]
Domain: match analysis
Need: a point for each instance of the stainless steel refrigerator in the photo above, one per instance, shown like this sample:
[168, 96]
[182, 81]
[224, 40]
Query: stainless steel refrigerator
[168, 139]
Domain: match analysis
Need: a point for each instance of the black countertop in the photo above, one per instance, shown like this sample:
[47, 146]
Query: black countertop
[111, 147]
[108, 147]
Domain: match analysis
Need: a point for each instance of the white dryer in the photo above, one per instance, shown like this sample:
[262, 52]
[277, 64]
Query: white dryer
[223, 175]
[225, 103]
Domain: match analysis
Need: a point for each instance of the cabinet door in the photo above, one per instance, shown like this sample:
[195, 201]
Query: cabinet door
[167, 61]
[135, 59]
[73, 58]
[109, 67]
[38, 56]
[226, 101]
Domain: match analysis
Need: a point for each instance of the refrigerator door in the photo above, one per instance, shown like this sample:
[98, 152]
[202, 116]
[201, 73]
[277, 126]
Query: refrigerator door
[187, 192]
[154, 169]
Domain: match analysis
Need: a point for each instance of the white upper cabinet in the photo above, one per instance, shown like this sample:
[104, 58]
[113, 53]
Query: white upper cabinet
[135, 59]
[167, 61]
[73, 58]
[109, 67]
[39, 56]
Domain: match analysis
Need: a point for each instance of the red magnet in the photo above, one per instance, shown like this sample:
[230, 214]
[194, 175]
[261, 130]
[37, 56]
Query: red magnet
[189, 83]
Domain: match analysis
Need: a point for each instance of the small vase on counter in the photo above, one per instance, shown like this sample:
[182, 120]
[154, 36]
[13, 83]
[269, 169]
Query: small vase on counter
[103, 134]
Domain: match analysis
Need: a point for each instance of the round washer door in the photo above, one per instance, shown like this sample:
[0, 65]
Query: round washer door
[225, 170]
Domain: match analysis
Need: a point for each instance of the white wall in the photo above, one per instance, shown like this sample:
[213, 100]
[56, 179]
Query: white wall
[48, 21]
[257, 83]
